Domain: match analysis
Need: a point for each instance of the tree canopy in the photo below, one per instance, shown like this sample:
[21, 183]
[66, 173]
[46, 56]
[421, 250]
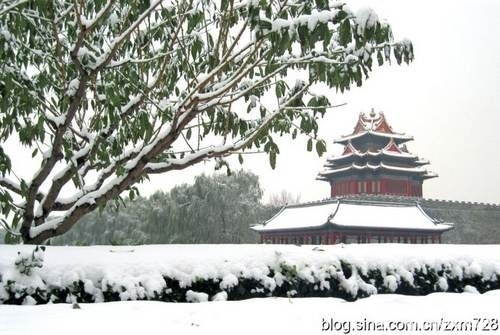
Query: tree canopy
[215, 209]
[104, 93]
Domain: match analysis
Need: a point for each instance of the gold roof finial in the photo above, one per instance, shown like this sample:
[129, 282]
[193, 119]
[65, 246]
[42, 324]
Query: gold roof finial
[372, 112]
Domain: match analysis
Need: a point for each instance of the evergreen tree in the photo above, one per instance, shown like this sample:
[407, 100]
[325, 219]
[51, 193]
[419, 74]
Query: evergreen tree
[104, 93]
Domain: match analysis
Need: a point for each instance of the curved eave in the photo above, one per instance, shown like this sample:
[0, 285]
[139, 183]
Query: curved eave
[321, 177]
[421, 162]
[398, 155]
[430, 175]
[444, 228]
[262, 228]
[398, 138]
[384, 153]
[354, 167]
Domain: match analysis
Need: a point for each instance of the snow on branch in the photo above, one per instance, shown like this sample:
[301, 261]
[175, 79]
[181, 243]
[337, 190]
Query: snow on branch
[10, 7]
[223, 150]
[89, 24]
[105, 58]
[119, 91]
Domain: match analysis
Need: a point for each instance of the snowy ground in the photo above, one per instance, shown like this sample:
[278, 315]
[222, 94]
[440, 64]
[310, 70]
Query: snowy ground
[449, 311]
[128, 266]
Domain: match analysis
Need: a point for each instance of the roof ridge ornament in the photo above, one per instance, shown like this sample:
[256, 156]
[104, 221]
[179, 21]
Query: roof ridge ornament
[372, 113]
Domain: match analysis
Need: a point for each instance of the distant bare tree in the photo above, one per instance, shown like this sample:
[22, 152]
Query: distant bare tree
[283, 198]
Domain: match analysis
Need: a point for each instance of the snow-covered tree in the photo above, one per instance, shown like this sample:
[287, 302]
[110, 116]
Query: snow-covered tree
[104, 93]
[215, 209]
[283, 198]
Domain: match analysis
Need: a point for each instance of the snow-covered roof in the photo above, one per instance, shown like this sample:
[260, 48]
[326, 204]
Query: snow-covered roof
[300, 216]
[368, 166]
[375, 154]
[400, 138]
[374, 124]
[353, 214]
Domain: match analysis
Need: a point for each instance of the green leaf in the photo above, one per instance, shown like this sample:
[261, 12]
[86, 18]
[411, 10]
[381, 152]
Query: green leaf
[265, 25]
[131, 195]
[240, 158]
[10, 238]
[322, 4]
[279, 89]
[320, 147]
[345, 34]
[380, 58]
[309, 144]
[272, 159]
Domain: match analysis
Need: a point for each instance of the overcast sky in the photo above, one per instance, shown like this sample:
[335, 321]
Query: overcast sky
[447, 99]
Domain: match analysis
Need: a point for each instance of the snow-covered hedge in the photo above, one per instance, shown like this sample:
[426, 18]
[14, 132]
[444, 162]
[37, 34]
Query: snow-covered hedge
[196, 273]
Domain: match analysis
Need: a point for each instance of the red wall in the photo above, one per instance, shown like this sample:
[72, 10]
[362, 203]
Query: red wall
[385, 186]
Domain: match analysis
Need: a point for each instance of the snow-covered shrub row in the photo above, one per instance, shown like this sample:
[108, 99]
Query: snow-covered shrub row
[197, 273]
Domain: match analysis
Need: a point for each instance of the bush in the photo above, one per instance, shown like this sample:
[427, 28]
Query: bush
[341, 278]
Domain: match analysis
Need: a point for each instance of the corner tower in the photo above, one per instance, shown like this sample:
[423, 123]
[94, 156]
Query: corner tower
[375, 161]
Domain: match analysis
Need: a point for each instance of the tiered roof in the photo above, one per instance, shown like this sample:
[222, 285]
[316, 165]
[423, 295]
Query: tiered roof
[354, 214]
[374, 146]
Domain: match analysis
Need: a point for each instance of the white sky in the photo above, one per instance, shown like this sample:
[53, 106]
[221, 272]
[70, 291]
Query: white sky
[446, 99]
